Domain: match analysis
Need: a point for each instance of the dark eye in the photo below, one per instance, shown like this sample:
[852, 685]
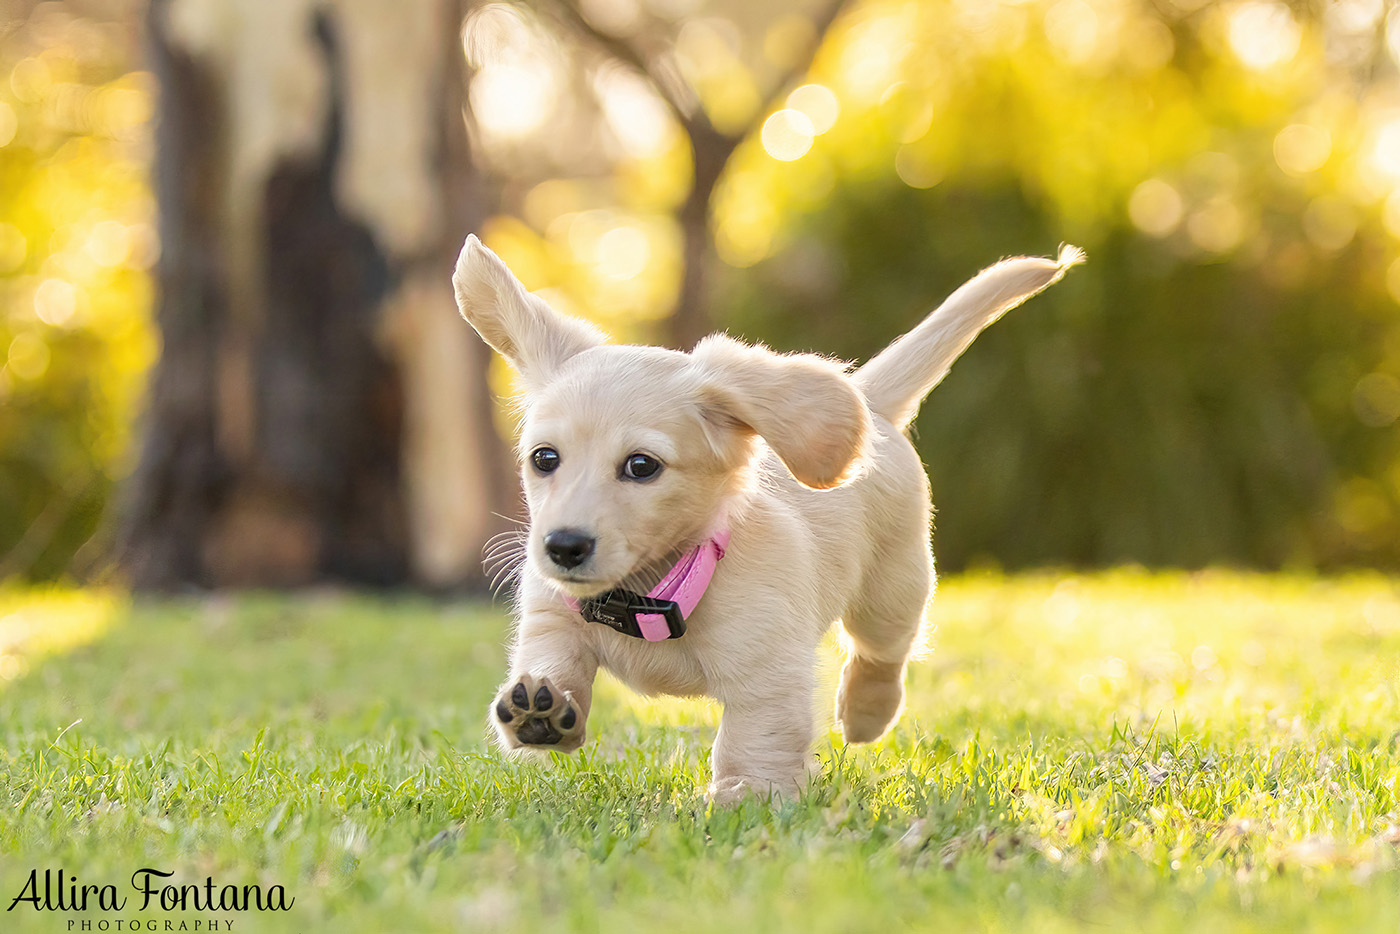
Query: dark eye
[640, 467]
[545, 459]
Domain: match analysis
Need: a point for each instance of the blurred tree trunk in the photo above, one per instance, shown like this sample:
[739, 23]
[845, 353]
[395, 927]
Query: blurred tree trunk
[710, 151]
[652, 55]
[320, 412]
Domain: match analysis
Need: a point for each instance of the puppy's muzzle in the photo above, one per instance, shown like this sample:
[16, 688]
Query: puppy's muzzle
[568, 548]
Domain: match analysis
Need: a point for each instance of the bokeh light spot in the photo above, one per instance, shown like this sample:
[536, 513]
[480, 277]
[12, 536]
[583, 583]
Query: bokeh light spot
[512, 100]
[1263, 35]
[1385, 149]
[1301, 148]
[818, 103]
[1155, 207]
[123, 109]
[1363, 512]
[708, 47]
[1218, 227]
[1072, 27]
[1354, 16]
[916, 167]
[1148, 44]
[634, 113]
[744, 238]
[109, 244]
[787, 135]
[622, 253]
[870, 62]
[145, 246]
[616, 17]
[1392, 34]
[28, 356]
[1330, 223]
[1376, 400]
[491, 32]
[550, 200]
[30, 80]
[909, 111]
[9, 124]
[56, 302]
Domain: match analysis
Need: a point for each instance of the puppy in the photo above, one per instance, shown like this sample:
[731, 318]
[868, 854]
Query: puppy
[699, 520]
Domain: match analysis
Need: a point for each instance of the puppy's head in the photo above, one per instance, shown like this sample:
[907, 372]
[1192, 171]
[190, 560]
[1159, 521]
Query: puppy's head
[630, 455]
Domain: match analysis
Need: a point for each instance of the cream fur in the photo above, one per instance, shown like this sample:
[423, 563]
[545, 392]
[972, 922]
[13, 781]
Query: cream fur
[805, 463]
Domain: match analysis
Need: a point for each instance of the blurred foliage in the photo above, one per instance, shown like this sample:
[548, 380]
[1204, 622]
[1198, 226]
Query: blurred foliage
[1220, 384]
[1222, 381]
[77, 235]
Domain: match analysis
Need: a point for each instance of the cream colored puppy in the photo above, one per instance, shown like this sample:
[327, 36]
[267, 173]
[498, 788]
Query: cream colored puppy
[793, 469]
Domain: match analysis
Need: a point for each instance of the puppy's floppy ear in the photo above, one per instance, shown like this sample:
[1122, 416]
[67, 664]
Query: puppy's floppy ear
[804, 406]
[533, 337]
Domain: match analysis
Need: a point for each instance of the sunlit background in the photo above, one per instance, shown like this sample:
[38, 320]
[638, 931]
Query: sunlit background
[1221, 384]
[77, 243]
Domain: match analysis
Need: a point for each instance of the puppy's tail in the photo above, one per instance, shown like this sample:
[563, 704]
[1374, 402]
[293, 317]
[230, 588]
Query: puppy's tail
[896, 380]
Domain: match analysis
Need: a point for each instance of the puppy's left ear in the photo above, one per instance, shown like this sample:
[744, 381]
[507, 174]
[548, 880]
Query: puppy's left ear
[804, 406]
[534, 338]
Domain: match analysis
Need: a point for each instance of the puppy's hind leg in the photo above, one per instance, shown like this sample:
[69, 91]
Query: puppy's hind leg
[882, 626]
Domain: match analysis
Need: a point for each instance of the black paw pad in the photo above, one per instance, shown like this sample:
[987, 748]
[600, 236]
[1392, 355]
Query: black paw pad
[538, 733]
[543, 699]
[503, 712]
[569, 719]
[519, 696]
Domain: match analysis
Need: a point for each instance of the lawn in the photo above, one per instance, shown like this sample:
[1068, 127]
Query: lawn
[1128, 751]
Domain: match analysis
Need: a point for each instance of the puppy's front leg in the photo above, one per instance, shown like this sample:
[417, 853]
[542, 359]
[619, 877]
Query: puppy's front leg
[764, 746]
[545, 701]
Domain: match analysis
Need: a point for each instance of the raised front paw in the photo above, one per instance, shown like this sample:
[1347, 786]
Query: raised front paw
[533, 712]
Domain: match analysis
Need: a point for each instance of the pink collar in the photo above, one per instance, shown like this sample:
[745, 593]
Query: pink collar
[662, 613]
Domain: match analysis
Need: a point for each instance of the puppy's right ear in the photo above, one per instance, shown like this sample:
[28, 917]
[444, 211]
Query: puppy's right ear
[804, 406]
[534, 338]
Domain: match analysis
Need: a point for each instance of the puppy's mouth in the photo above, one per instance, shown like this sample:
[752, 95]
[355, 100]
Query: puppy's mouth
[578, 585]
[642, 578]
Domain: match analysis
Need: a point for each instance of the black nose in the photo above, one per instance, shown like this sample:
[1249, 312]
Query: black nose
[568, 548]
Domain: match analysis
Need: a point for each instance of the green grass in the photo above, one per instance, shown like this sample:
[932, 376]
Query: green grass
[1123, 752]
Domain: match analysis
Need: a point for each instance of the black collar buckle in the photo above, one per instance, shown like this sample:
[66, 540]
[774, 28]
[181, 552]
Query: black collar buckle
[618, 609]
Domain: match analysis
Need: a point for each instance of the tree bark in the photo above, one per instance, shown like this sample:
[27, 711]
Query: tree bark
[319, 412]
[458, 471]
[691, 319]
[182, 478]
